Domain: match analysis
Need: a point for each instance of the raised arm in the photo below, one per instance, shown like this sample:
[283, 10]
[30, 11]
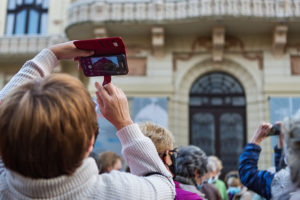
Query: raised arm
[138, 150]
[43, 64]
[257, 180]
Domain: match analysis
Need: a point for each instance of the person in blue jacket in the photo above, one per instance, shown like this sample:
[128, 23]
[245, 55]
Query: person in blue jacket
[259, 180]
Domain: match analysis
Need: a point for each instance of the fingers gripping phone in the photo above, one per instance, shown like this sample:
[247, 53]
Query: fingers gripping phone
[109, 58]
[275, 130]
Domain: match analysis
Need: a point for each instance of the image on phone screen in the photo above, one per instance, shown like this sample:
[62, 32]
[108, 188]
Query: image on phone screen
[104, 65]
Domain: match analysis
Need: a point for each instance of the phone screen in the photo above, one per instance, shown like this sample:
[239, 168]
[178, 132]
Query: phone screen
[104, 65]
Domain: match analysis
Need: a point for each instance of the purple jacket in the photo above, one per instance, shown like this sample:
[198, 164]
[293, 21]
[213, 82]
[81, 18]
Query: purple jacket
[185, 195]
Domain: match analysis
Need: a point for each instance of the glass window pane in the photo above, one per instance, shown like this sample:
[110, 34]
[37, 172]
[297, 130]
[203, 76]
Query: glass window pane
[19, 2]
[33, 22]
[11, 4]
[45, 3]
[44, 23]
[28, 1]
[216, 101]
[20, 22]
[203, 132]
[38, 2]
[10, 24]
[231, 139]
[238, 101]
[195, 101]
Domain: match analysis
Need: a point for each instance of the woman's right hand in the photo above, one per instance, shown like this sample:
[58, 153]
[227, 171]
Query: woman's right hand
[113, 105]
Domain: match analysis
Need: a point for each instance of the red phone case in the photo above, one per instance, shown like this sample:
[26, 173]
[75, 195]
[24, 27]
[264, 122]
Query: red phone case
[103, 46]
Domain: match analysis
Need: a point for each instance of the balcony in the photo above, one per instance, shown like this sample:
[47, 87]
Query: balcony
[13, 48]
[26, 44]
[159, 10]
[85, 15]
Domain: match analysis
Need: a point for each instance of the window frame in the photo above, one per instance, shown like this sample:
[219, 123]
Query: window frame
[27, 7]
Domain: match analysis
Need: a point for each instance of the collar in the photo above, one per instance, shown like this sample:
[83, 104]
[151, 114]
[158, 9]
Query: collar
[81, 180]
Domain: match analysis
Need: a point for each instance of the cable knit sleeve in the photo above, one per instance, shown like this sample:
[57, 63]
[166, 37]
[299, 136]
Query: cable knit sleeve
[40, 66]
[142, 158]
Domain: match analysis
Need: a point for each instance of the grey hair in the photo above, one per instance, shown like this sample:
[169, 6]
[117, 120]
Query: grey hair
[188, 160]
[211, 166]
[291, 129]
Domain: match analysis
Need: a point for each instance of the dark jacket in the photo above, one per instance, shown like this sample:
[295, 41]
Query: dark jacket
[257, 180]
[210, 192]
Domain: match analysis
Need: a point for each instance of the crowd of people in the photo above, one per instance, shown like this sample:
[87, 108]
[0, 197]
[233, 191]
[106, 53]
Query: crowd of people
[48, 128]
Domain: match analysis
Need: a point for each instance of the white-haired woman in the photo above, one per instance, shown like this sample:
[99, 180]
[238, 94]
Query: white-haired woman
[287, 185]
[191, 166]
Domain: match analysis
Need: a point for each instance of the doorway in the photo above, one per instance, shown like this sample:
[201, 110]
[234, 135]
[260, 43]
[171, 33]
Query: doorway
[217, 109]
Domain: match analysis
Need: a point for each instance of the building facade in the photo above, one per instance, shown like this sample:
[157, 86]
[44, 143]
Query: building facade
[216, 61]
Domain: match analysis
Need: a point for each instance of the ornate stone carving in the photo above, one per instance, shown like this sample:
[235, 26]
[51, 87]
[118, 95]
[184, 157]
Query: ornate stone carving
[100, 32]
[158, 41]
[218, 42]
[27, 44]
[230, 41]
[279, 39]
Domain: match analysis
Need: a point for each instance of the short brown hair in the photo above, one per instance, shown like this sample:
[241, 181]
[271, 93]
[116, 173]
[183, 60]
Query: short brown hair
[108, 159]
[46, 126]
[161, 137]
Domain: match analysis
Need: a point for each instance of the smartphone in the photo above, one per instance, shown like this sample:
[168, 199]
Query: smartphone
[109, 58]
[275, 130]
[104, 65]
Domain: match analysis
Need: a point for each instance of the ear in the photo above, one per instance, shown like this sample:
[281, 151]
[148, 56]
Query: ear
[165, 158]
[90, 147]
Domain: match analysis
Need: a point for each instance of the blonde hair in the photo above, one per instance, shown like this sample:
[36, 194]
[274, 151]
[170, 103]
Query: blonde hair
[161, 137]
[46, 127]
[217, 162]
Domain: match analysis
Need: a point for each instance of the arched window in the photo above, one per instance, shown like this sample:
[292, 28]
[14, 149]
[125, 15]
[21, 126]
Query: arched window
[217, 117]
[27, 17]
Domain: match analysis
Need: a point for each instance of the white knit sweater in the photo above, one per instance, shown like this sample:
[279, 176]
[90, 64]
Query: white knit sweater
[85, 183]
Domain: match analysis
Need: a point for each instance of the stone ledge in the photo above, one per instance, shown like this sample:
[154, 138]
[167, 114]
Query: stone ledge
[24, 44]
[160, 11]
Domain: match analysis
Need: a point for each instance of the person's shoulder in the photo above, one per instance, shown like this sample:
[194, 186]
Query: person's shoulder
[210, 187]
[4, 187]
[295, 195]
[186, 195]
[220, 182]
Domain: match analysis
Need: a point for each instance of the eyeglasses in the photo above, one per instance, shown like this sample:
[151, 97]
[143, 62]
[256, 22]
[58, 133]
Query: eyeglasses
[173, 152]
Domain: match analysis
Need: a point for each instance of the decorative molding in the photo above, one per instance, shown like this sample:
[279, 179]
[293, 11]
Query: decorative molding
[204, 42]
[279, 39]
[158, 41]
[230, 41]
[218, 42]
[161, 11]
[100, 32]
[27, 44]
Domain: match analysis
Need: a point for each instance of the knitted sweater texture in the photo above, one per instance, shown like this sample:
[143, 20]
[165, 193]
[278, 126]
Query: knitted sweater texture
[85, 183]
